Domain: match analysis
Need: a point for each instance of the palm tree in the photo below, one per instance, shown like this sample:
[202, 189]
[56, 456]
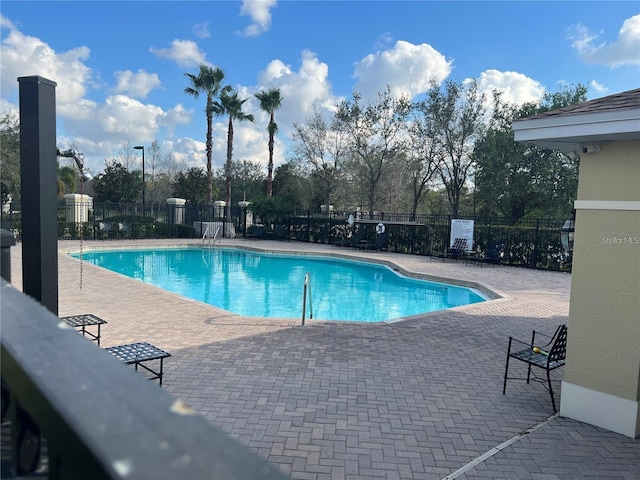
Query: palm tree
[231, 104]
[270, 101]
[66, 180]
[208, 81]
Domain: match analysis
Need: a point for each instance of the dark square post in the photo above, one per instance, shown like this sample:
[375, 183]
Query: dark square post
[38, 173]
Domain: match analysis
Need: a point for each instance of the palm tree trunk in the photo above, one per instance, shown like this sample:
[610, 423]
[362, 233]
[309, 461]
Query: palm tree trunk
[270, 167]
[209, 151]
[228, 166]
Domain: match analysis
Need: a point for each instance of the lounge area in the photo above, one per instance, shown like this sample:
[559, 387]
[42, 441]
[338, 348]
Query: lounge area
[419, 398]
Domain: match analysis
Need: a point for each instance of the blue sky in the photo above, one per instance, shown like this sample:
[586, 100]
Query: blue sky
[119, 66]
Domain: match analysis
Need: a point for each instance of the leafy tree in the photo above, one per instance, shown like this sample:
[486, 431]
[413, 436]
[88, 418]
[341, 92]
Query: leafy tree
[209, 82]
[270, 209]
[423, 153]
[10, 156]
[270, 101]
[457, 112]
[231, 105]
[167, 169]
[514, 179]
[249, 178]
[291, 186]
[116, 184]
[191, 185]
[375, 134]
[67, 177]
[321, 149]
[153, 160]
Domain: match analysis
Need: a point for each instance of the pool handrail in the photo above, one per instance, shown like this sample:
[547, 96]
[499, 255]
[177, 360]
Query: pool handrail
[307, 286]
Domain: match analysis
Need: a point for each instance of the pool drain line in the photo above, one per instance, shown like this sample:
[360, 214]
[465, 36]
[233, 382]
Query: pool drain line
[499, 448]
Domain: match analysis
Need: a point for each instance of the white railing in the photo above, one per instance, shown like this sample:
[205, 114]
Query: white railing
[214, 237]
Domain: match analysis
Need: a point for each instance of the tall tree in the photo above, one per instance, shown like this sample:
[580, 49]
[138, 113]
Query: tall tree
[231, 104]
[249, 177]
[208, 81]
[67, 177]
[116, 184]
[10, 156]
[270, 101]
[514, 179]
[191, 185]
[153, 162]
[291, 186]
[128, 158]
[322, 150]
[375, 133]
[422, 154]
[458, 111]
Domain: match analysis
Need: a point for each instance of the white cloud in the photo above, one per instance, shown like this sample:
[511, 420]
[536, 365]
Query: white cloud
[24, 56]
[6, 23]
[384, 41]
[260, 13]
[201, 30]
[299, 89]
[406, 68]
[136, 84]
[119, 119]
[598, 87]
[515, 87]
[185, 53]
[186, 152]
[97, 126]
[624, 51]
[175, 116]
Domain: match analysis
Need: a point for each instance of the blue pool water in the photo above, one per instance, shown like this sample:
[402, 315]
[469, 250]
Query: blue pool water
[271, 285]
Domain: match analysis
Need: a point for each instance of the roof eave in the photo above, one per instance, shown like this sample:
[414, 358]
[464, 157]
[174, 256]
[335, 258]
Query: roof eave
[567, 132]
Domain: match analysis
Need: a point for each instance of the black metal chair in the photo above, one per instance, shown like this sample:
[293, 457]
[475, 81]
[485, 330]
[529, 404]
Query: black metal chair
[381, 243]
[357, 240]
[493, 255]
[458, 248]
[282, 232]
[257, 231]
[548, 356]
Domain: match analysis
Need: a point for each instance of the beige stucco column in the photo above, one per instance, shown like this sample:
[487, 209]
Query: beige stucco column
[602, 373]
[175, 210]
[77, 207]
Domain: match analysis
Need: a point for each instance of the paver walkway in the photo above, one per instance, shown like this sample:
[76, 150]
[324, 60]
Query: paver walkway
[416, 399]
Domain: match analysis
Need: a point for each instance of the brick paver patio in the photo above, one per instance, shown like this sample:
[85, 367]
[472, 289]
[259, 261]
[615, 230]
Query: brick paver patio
[415, 399]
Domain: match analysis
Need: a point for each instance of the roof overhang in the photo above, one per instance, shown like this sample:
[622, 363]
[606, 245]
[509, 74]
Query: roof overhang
[566, 133]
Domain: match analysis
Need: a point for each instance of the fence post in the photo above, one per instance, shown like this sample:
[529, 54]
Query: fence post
[536, 244]
[39, 206]
[413, 238]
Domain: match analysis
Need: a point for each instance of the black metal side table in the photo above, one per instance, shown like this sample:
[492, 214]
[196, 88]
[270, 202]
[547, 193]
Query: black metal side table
[84, 321]
[137, 353]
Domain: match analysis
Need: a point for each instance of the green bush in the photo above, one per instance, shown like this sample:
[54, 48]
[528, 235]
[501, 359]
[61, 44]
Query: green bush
[170, 230]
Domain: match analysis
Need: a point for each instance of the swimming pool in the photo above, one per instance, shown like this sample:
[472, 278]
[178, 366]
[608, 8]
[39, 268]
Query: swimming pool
[271, 285]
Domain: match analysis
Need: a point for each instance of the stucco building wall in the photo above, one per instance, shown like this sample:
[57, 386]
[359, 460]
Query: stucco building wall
[603, 349]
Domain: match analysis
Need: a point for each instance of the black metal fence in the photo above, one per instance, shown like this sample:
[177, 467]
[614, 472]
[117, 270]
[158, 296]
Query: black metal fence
[531, 243]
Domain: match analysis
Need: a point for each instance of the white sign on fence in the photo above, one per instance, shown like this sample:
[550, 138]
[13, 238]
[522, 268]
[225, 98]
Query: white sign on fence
[462, 229]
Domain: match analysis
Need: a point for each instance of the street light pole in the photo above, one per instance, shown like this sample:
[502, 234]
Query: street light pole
[144, 185]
